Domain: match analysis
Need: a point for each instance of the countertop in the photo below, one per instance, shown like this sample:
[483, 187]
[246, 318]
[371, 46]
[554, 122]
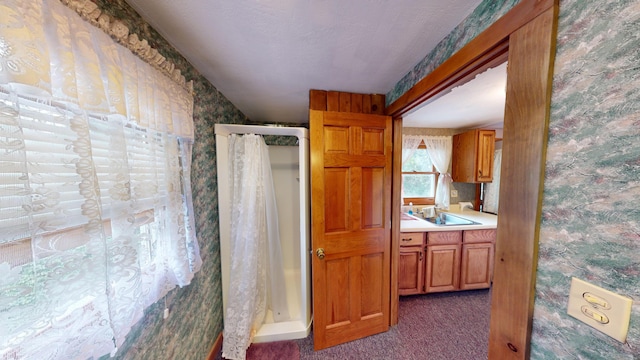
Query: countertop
[417, 224]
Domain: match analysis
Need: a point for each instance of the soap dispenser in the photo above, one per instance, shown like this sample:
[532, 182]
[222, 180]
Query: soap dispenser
[410, 208]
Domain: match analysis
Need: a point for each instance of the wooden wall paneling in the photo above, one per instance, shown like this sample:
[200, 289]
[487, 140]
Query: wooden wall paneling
[356, 103]
[318, 100]
[333, 101]
[377, 104]
[366, 104]
[345, 102]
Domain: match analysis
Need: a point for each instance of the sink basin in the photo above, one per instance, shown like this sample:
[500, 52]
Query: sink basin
[446, 219]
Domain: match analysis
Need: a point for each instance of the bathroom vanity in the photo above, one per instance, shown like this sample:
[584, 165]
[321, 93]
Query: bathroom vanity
[437, 258]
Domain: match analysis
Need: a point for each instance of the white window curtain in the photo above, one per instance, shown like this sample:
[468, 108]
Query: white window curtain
[410, 144]
[96, 219]
[257, 282]
[440, 149]
[492, 189]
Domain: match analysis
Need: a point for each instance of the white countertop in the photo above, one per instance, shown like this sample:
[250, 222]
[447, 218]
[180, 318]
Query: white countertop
[487, 221]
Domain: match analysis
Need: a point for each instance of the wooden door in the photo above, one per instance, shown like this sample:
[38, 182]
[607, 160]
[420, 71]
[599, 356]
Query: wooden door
[486, 148]
[351, 225]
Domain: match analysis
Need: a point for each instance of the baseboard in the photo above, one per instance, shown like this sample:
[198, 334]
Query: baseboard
[217, 347]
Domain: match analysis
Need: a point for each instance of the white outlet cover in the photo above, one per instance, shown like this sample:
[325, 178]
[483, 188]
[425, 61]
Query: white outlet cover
[599, 308]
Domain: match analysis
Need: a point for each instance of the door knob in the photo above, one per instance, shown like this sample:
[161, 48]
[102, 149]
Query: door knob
[320, 253]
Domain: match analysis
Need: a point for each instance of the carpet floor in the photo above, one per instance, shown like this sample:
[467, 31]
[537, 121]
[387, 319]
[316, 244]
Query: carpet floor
[447, 326]
[441, 326]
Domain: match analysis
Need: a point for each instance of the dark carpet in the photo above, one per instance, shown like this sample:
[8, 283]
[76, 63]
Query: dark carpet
[441, 326]
[448, 326]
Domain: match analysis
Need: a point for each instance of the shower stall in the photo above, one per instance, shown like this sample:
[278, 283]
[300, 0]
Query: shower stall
[290, 171]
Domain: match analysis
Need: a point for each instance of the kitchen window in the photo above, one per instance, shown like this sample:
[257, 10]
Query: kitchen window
[419, 178]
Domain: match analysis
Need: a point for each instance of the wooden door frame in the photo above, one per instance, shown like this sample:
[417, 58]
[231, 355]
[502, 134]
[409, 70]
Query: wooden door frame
[526, 36]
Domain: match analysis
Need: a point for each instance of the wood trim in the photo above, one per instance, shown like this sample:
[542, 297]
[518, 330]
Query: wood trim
[485, 49]
[529, 83]
[216, 348]
[530, 53]
[396, 193]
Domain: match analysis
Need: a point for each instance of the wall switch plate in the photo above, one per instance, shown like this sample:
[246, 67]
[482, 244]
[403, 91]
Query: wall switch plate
[599, 308]
[454, 193]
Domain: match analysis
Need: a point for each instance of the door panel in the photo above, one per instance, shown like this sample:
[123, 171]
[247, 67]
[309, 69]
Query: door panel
[351, 223]
[337, 200]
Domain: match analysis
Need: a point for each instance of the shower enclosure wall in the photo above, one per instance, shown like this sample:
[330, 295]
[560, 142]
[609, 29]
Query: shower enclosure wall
[290, 169]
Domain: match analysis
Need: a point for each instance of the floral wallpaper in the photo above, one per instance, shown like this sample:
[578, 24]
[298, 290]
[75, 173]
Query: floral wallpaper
[590, 225]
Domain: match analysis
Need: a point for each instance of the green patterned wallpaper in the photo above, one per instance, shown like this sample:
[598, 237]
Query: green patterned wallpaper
[591, 219]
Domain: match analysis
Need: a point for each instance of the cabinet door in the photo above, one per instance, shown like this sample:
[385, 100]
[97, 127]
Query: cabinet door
[477, 266]
[486, 148]
[411, 270]
[443, 268]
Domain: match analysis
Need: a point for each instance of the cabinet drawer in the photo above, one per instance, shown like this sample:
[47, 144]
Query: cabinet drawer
[409, 239]
[480, 236]
[444, 237]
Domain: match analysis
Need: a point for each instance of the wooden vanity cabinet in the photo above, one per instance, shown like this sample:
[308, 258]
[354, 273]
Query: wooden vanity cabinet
[411, 264]
[477, 259]
[472, 157]
[443, 261]
[439, 261]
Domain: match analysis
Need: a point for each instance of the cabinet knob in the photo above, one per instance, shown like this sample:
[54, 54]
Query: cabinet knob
[320, 253]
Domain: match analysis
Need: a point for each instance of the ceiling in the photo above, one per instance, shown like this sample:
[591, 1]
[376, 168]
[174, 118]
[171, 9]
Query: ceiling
[478, 103]
[265, 55]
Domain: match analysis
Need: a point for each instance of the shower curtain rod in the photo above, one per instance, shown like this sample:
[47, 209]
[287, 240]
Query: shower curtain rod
[228, 129]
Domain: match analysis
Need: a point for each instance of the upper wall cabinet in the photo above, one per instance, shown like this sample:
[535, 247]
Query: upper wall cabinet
[473, 156]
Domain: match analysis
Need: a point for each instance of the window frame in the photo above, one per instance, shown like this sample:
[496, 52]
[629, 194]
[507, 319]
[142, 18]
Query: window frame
[421, 200]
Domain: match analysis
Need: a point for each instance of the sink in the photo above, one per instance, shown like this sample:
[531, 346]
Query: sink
[446, 219]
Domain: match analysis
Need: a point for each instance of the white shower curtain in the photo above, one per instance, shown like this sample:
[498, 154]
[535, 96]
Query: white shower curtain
[256, 280]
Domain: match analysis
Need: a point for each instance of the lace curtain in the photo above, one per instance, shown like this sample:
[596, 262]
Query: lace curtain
[492, 189]
[256, 281]
[96, 219]
[440, 149]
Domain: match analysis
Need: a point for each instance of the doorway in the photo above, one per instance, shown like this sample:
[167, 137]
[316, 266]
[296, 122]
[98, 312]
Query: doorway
[526, 38]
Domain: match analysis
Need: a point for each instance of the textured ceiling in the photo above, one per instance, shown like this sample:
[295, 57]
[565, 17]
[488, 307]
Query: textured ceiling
[478, 103]
[265, 55]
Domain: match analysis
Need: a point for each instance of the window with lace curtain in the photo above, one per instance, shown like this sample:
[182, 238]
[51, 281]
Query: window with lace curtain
[96, 218]
[419, 178]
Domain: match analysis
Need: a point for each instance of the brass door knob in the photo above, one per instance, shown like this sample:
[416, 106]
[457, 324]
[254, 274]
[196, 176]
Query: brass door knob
[320, 253]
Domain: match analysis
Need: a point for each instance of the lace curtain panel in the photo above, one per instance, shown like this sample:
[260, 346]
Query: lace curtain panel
[96, 219]
[440, 149]
[256, 282]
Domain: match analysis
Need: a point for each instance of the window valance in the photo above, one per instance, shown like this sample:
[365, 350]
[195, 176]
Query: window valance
[49, 52]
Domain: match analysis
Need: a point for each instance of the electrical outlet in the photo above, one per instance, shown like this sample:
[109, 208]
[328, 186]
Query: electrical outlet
[599, 308]
[454, 193]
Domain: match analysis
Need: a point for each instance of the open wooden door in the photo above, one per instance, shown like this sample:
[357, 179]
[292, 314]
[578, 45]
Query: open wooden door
[351, 156]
